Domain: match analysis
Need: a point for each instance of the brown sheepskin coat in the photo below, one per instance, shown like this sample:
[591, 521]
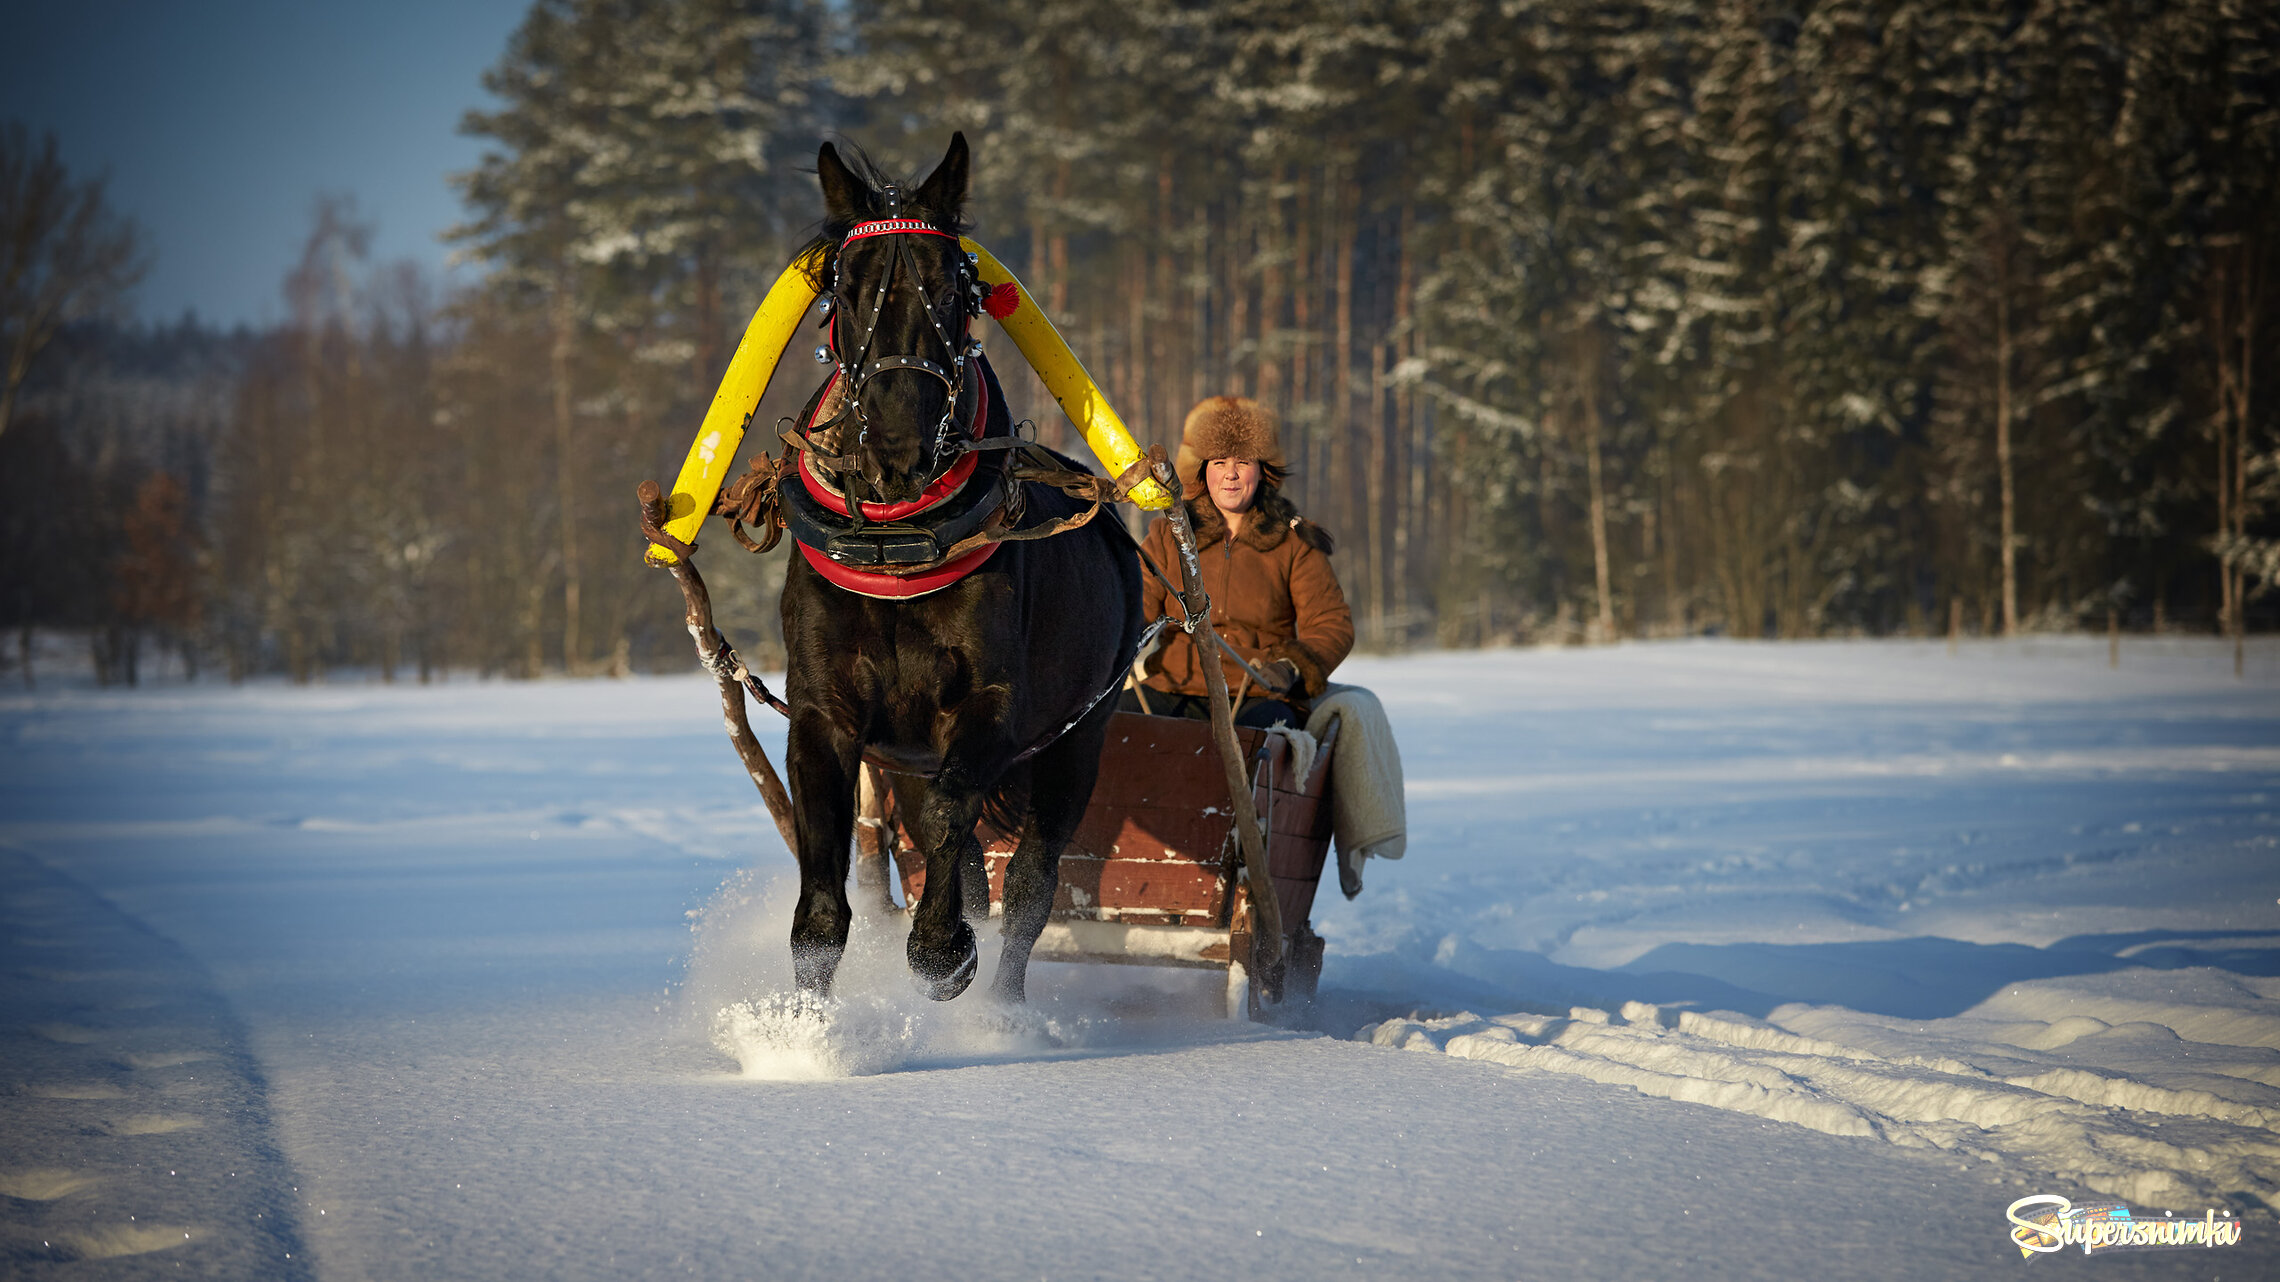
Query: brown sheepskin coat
[1273, 596]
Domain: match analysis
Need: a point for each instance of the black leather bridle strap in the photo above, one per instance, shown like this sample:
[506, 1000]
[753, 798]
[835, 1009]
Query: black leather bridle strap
[859, 367]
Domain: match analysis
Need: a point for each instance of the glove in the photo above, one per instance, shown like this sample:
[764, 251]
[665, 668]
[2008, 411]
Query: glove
[1286, 675]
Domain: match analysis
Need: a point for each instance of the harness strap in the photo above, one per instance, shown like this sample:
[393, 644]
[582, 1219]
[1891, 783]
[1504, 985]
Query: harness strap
[754, 500]
[995, 443]
[1042, 469]
[1001, 531]
[894, 227]
[885, 363]
[802, 443]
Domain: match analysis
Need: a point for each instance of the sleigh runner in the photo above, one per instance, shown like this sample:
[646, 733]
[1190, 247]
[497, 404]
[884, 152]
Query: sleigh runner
[1155, 875]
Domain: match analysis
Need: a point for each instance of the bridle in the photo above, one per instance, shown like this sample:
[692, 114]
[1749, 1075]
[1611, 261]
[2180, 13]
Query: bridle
[858, 365]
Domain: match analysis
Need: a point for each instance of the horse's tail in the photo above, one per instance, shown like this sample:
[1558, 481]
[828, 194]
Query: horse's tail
[1005, 806]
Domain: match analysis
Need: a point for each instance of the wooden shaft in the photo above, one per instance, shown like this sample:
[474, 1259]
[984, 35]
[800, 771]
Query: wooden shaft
[1266, 910]
[710, 644]
[873, 843]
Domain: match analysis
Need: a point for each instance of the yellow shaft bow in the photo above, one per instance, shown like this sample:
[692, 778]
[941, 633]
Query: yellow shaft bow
[771, 331]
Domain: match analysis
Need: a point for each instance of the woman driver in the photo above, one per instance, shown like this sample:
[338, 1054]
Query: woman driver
[1274, 598]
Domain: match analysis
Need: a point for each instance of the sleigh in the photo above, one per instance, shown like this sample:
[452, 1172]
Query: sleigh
[1155, 875]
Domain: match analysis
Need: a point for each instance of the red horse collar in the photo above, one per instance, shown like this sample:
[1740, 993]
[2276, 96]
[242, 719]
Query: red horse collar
[898, 587]
[882, 583]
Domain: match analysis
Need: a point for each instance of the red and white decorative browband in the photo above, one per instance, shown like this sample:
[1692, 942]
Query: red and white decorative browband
[894, 227]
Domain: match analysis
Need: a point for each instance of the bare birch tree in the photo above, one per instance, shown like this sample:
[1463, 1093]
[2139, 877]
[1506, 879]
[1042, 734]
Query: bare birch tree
[65, 255]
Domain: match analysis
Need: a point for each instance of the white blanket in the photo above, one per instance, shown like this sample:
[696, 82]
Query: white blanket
[1368, 816]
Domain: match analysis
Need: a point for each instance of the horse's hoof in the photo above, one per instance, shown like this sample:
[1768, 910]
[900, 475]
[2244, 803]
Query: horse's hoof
[1010, 987]
[813, 968]
[955, 982]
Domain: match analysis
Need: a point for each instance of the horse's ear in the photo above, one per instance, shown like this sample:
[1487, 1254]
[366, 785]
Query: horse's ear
[943, 194]
[844, 195]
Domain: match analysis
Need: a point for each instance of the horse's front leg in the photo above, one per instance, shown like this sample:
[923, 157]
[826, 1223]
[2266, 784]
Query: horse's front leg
[822, 761]
[941, 946]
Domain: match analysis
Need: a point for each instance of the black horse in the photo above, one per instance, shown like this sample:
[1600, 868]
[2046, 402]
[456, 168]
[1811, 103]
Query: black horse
[967, 692]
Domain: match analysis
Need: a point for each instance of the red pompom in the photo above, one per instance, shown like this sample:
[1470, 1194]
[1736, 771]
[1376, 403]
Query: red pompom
[1003, 301]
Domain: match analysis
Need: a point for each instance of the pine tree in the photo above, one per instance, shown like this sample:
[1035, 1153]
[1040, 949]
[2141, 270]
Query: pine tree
[643, 169]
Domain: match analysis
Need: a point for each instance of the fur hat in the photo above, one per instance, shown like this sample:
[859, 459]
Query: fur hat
[1226, 427]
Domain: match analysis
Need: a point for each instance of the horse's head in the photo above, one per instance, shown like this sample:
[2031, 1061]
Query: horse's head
[902, 295]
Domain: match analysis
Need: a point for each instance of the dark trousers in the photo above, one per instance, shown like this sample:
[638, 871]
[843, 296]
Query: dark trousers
[1195, 707]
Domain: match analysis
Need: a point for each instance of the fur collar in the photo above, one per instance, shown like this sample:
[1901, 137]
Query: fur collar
[1272, 519]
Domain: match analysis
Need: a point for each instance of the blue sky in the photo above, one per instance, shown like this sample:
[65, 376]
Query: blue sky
[221, 123]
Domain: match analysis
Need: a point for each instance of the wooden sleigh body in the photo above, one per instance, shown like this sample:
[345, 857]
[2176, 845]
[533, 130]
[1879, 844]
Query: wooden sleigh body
[1154, 875]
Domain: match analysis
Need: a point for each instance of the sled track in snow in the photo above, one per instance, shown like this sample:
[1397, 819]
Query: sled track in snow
[1999, 1094]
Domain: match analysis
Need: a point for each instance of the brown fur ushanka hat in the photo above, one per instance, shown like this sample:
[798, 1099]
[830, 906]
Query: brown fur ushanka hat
[1226, 427]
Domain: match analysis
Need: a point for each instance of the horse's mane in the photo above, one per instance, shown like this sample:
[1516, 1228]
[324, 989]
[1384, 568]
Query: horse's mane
[831, 230]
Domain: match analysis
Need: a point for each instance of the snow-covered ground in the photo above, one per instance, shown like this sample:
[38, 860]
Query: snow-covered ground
[1727, 960]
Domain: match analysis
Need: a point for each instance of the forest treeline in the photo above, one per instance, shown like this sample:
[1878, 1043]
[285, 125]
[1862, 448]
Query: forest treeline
[1584, 320]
